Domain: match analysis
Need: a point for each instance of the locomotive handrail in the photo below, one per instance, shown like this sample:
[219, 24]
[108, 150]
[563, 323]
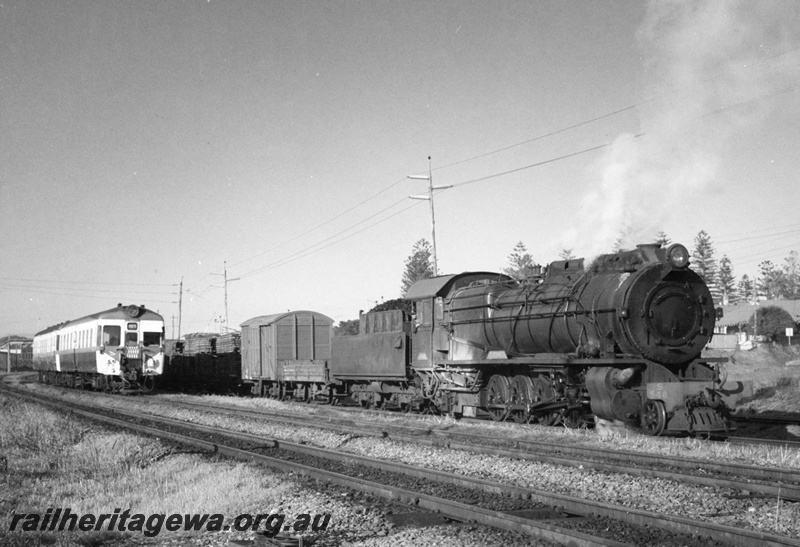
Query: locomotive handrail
[535, 315]
[550, 300]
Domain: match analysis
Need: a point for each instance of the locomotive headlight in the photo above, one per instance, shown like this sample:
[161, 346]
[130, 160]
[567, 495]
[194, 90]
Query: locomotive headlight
[678, 256]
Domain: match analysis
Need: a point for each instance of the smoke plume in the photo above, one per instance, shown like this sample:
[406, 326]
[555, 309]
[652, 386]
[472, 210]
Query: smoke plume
[709, 70]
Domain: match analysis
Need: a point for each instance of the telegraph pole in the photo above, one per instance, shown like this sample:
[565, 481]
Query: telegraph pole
[180, 308]
[226, 281]
[429, 197]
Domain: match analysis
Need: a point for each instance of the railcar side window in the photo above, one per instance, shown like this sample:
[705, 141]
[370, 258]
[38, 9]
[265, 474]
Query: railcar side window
[151, 338]
[111, 335]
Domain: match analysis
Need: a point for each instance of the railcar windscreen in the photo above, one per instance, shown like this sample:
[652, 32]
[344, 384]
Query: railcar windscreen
[111, 335]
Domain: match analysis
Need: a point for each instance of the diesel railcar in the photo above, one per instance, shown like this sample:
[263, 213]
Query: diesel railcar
[120, 349]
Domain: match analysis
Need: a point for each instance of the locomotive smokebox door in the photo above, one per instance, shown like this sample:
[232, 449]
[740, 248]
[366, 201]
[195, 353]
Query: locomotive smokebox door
[671, 315]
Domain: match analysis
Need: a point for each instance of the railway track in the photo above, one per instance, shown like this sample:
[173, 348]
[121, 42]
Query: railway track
[514, 505]
[760, 480]
[768, 419]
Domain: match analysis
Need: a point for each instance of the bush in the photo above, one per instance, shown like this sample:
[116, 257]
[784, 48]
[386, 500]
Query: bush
[772, 321]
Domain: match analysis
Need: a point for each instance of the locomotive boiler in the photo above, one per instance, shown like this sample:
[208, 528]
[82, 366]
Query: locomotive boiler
[621, 337]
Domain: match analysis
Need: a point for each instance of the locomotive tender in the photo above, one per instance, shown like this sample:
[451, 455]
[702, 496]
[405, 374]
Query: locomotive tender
[120, 349]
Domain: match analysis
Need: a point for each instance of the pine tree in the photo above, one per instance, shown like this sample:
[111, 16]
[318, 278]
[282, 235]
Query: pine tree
[566, 254]
[771, 282]
[418, 264]
[791, 276]
[727, 281]
[705, 264]
[663, 240]
[520, 263]
[746, 289]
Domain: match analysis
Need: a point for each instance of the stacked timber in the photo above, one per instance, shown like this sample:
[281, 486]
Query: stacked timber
[199, 342]
[229, 343]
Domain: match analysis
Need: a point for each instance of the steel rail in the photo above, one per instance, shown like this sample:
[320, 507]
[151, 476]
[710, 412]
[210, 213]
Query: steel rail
[448, 508]
[784, 483]
[672, 523]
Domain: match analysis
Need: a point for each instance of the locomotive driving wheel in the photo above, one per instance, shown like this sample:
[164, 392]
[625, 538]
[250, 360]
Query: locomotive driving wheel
[543, 392]
[654, 418]
[497, 394]
[520, 394]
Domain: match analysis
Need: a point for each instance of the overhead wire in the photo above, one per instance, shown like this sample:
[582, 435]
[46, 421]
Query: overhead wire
[727, 108]
[311, 250]
[85, 282]
[74, 295]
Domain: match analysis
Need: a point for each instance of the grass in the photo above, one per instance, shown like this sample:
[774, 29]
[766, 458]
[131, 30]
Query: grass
[775, 385]
[58, 461]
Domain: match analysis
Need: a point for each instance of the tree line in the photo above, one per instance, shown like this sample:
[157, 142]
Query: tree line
[773, 281]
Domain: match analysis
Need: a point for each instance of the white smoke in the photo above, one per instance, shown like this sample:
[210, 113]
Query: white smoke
[709, 70]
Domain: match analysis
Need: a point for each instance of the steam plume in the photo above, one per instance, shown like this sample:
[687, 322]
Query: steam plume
[709, 68]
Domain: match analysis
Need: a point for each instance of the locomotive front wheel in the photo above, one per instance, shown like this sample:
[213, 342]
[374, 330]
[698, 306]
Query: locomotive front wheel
[654, 418]
[497, 394]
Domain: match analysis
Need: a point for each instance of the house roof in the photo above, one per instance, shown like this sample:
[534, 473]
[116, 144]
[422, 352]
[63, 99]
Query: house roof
[739, 314]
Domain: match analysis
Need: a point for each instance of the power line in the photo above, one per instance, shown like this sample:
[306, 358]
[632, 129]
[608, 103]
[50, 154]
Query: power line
[538, 164]
[79, 290]
[74, 295]
[310, 250]
[545, 135]
[356, 206]
[84, 282]
[724, 240]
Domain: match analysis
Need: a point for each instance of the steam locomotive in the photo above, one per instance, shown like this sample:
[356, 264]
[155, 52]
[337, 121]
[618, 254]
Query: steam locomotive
[621, 338]
[118, 350]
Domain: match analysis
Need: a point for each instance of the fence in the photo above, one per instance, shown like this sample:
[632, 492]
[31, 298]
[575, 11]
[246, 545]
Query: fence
[724, 342]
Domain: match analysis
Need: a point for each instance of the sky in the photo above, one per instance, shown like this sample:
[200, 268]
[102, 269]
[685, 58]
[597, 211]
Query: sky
[149, 144]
